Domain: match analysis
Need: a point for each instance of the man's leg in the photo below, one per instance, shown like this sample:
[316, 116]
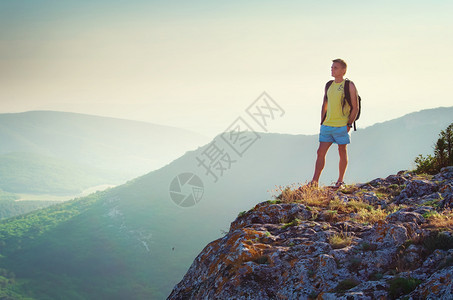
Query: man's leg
[320, 160]
[342, 150]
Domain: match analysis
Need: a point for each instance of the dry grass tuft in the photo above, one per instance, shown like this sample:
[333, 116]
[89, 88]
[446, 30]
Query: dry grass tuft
[327, 200]
[443, 220]
[357, 205]
[340, 240]
[337, 204]
[305, 194]
[370, 216]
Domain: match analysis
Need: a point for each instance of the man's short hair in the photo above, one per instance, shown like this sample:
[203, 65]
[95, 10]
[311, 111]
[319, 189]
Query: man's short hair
[341, 62]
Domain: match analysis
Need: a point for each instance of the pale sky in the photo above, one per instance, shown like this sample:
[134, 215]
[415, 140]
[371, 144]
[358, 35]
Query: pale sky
[199, 64]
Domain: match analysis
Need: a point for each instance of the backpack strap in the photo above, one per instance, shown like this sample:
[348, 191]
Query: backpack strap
[328, 84]
[347, 96]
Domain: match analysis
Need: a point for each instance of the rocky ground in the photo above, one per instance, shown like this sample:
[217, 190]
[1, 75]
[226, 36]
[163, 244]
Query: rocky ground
[389, 238]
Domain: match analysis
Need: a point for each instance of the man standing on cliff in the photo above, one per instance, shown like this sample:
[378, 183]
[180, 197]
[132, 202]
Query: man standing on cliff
[337, 116]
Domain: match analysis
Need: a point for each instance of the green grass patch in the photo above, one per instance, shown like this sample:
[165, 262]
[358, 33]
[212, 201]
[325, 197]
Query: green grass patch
[402, 286]
[345, 285]
[294, 222]
[438, 240]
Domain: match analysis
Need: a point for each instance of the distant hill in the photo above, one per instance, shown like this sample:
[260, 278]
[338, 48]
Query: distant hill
[9, 206]
[391, 146]
[59, 152]
[6, 196]
[35, 173]
[134, 242]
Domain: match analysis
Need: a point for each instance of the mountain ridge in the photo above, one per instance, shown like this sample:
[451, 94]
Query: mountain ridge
[152, 241]
[77, 114]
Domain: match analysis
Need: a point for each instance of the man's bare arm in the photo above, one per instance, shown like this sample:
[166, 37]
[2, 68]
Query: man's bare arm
[323, 110]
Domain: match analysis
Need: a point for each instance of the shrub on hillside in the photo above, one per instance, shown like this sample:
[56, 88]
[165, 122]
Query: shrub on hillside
[443, 154]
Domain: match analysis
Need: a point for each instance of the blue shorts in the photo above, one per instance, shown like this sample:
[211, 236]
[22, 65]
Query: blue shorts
[338, 135]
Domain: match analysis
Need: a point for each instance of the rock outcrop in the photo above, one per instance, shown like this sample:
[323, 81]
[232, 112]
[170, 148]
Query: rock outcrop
[386, 239]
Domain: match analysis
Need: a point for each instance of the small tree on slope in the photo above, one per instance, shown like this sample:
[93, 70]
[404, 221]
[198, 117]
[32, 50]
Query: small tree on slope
[443, 154]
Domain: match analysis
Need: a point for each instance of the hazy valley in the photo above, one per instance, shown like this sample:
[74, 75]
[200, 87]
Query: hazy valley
[134, 242]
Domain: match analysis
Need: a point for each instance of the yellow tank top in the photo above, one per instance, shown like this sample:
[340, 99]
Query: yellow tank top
[336, 115]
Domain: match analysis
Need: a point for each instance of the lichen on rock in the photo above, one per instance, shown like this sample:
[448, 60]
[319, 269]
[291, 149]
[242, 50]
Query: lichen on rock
[356, 243]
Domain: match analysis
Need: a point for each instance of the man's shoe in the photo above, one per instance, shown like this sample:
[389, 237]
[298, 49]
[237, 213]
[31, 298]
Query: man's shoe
[311, 184]
[339, 185]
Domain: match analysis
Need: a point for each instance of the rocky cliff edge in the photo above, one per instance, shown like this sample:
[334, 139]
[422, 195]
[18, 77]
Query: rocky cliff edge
[389, 238]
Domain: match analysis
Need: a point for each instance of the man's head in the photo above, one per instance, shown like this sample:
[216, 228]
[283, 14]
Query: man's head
[339, 67]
